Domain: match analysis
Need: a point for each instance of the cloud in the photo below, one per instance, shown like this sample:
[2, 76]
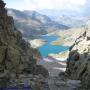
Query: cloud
[54, 4]
[38, 4]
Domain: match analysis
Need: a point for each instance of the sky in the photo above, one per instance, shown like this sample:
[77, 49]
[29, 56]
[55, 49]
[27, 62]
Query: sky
[74, 5]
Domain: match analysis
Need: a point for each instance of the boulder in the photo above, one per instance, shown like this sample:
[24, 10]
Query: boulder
[41, 70]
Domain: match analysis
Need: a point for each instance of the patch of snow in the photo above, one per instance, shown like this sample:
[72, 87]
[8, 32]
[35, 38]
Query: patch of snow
[61, 59]
[62, 69]
[62, 63]
[47, 59]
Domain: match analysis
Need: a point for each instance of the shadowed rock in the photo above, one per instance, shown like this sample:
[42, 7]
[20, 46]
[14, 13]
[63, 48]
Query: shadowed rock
[16, 55]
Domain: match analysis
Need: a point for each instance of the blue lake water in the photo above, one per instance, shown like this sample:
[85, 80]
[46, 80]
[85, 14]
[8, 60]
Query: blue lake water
[48, 48]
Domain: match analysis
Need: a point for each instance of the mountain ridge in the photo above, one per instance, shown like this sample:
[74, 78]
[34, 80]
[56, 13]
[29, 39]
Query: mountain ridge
[33, 23]
[65, 17]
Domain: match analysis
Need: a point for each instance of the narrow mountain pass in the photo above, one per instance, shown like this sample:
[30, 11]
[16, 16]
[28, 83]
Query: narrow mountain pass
[57, 79]
[53, 66]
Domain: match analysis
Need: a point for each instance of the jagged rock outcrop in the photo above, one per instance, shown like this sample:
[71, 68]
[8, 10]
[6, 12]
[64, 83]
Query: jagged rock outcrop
[78, 63]
[14, 51]
[16, 55]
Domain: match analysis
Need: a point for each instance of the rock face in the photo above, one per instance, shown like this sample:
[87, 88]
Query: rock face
[14, 51]
[16, 55]
[78, 63]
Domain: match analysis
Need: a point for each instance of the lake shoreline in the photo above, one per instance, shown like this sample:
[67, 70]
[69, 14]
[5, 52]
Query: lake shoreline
[48, 48]
[62, 56]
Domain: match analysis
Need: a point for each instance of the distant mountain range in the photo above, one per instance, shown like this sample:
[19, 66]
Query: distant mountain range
[73, 22]
[57, 13]
[33, 24]
[65, 17]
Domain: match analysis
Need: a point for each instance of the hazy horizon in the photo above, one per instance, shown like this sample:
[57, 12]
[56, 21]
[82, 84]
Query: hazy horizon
[57, 7]
[77, 6]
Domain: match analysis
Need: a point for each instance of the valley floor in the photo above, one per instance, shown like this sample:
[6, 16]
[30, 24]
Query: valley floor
[57, 80]
[53, 66]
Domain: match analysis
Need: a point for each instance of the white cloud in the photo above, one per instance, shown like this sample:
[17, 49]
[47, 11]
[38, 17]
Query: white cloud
[39, 4]
[54, 4]
[77, 2]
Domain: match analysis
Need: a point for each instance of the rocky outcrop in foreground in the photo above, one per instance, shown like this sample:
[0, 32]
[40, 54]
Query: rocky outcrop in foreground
[78, 63]
[16, 55]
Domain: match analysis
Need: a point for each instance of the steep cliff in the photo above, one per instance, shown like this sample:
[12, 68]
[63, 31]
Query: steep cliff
[78, 63]
[16, 56]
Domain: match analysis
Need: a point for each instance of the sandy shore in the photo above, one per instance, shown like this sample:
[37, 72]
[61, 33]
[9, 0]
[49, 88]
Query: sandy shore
[60, 56]
[36, 43]
[67, 37]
